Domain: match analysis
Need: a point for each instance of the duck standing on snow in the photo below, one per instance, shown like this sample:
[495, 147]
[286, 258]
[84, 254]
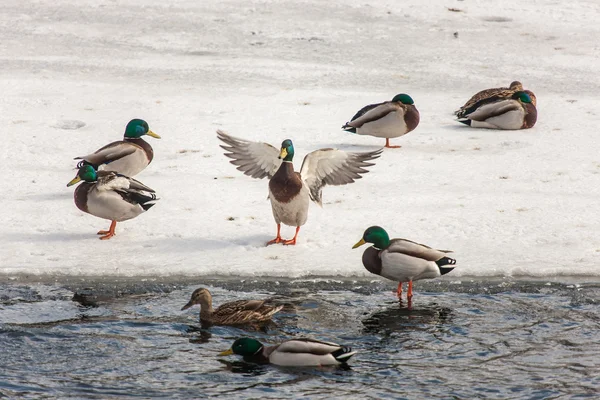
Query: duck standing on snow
[516, 112]
[128, 156]
[402, 260]
[291, 353]
[290, 191]
[112, 196]
[499, 93]
[389, 119]
[232, 313]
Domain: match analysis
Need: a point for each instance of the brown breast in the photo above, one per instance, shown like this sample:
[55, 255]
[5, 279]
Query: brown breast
[144, 145]
[411, 117]
[285, 184]
[371, 260]
[531, 116]
[81, 195]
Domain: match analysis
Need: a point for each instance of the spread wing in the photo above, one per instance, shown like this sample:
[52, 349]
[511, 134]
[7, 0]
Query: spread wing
[254, 159]
[370, 113]
[414, 249]
[493, 108]
[333, 167]
[111, 152]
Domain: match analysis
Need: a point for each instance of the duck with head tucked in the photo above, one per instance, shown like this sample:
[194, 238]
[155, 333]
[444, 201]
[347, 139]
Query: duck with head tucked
[515, 112]
[233, 313]
[112, 196]
[128, 156]
[402, 260]
[301, 352]
[498, 93]
[390, 119]
[290, 192]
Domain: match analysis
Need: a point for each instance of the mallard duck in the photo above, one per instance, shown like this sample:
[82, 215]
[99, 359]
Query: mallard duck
[112, 196]
[501, 92]
[128, 156]
[232, 313]
[290, 191]
[402, 260]
[389, 119]
[515, 112]
[291, 353]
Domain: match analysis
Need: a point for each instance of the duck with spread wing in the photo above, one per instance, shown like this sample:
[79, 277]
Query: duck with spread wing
[290, 192]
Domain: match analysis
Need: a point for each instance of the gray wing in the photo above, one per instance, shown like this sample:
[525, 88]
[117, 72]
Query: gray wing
[493, 109]
[109, 180]
[254, 159]
[304, 345]
[111, 152]
[371, 113]
[333, 167]
[414, 249]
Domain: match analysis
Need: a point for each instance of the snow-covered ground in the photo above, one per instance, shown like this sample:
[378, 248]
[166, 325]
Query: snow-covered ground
[508, 203]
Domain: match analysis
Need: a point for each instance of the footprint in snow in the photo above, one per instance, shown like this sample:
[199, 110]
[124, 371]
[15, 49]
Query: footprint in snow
[68, 124]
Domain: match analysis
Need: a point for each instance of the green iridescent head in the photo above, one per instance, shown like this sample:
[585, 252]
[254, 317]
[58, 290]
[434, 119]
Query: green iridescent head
[136, 128]
[376, 235]
[403, 98]
[524, 97]
[86, 173]
[244, 347]
[287, 150]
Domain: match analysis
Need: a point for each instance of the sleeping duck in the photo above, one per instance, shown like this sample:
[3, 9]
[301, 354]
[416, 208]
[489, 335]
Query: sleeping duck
[112, 196]
[515, 112]
[501, 92]
[290, 191]
[389, 119]
[402, 260]
[291, 353]
[233, 313]
[128, 156]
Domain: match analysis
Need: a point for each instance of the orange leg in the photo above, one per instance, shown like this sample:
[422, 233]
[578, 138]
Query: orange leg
[109, 233]
[399, 291]
[409, 294]
[293, 241]
[387, 144]
[278, 239]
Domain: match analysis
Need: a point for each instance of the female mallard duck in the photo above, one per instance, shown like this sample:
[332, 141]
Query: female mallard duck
[290, 191]
[501, 93]
[515, 112]
[128, 156]
[232, 313]
[389, 119]
[291, 353]
[402, 260]
[108, 195]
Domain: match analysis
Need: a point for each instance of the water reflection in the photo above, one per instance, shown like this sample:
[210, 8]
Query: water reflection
[397, 318]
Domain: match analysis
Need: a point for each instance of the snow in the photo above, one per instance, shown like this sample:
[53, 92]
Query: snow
[519, 203]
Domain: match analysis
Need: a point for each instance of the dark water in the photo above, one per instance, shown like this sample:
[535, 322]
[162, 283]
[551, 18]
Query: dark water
[464, 340]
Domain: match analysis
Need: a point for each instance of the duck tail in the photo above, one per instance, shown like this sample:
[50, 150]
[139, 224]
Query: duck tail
[442, 264]
[465, 121]
[349, 128]
[343, 354]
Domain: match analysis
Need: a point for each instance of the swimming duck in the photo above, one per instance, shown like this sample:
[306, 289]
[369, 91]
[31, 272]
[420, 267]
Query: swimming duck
[389, 119]
[112, 196]
[128, 156]
[232, 313]
[402, 260]
[515, 112]
[291, 353]
[290, 191]
[501, 92]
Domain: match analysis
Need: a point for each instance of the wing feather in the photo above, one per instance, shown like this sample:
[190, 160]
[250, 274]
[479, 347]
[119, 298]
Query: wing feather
[254, 159]
[111, 152]
[333, 167]
[371, 113]
[414, 249]
[305, 345]
[493, 109]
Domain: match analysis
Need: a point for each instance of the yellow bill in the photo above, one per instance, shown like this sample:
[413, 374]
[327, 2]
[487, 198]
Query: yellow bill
[360, 243]
[154, 135]
[74, 181]
[226, 352]
[283, 153]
